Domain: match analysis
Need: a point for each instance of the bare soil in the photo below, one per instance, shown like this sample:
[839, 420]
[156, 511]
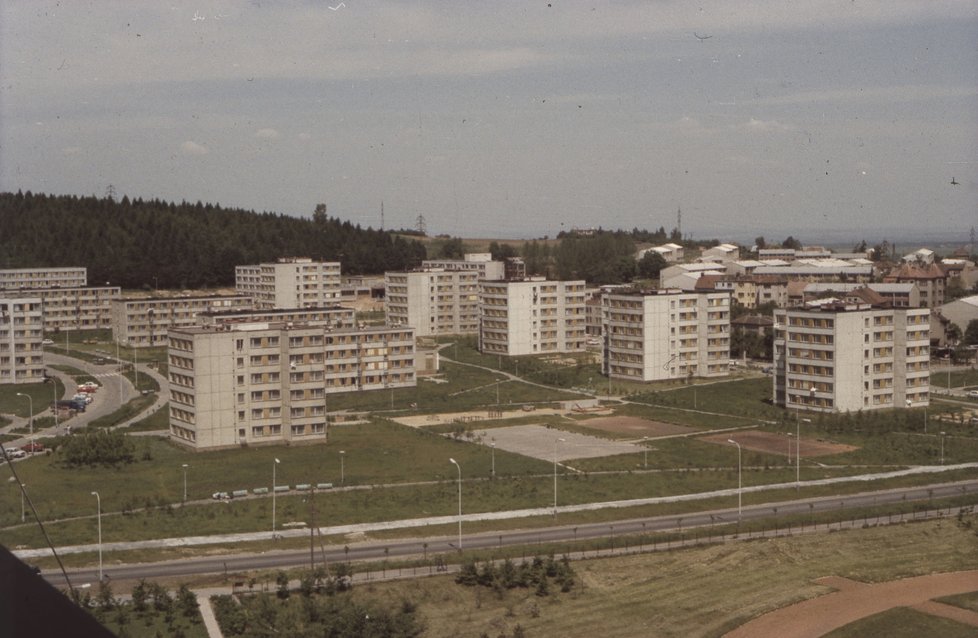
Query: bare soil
[775, 443]
[853, 600]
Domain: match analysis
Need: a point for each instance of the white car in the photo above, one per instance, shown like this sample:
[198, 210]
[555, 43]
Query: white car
[16, 453]
[973, 394]
[47, 342]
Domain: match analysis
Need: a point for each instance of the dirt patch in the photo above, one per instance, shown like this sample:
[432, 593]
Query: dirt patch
[548, 444]
[635, 425]
[819, 616]
[775, 443]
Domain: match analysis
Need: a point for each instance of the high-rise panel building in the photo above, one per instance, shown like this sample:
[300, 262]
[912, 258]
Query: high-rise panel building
[848, 356]
[252, 384]
[532, 316]
[21, 335]
[666, 334]
[293, 282]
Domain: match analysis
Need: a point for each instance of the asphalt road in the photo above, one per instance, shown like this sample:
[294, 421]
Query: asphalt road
[423, 546]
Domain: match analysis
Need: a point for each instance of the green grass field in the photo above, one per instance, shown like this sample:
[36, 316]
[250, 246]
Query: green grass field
[901, 622]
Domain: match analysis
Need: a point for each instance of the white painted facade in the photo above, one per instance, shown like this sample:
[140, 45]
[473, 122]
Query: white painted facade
[21, 334]
[433, 302]
[294, 282]
[666, 334]
[533, 316]
[849, 357]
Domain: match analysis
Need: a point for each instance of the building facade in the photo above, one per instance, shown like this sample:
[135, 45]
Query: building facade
[64, 277]
[666, 334]
[144, 322]
[839, 357]
[255, 384]
[21, 335]
[85, 308]
[433, 302]
[335, 316]
[481, 263]
[533, 316]
[294, 282]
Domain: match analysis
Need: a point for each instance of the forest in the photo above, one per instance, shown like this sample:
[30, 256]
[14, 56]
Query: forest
[156, 244]
[151, 243]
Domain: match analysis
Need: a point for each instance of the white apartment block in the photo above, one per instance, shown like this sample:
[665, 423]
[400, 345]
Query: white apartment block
[144, 322]
[255, 384]
[335, 316]
[433, 302]
[481, 263]
[533, 316]
[841, 357]
[21, 333]
[70, 308]
[64, 277]
[293, 282]
[666, 334]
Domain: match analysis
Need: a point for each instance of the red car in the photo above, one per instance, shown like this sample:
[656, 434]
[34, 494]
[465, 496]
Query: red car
[33, 447]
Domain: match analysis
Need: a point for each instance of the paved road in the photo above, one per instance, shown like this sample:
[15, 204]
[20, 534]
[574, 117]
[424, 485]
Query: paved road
[422, 546]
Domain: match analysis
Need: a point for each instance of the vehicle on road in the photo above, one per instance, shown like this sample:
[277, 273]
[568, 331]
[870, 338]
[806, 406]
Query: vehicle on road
[90, 384]
[47, 342]
[973, 394]
[82, 396]
[32, 448]
[16, 454]
[221, 496]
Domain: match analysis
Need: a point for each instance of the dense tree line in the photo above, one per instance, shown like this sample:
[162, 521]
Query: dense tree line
[137, 243]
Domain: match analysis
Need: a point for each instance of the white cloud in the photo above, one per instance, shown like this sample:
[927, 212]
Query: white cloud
[266, 134]
[193, 148]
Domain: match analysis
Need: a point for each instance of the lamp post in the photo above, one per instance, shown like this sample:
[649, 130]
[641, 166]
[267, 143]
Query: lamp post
[185, 466]
[556, 441]
[646, 451]
[342, 469]
[790, 434]
[274, 465]
[31, 419]
[492, 445]
[811, 393]
[740, 484]
[98, 503]
[942, 448]
[23, 516]
[459, 468]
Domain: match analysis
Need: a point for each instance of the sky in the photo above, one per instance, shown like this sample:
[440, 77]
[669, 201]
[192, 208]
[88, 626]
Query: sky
[503, 119]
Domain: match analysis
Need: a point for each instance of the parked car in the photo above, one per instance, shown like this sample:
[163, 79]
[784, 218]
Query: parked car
[220, 496]
[16, 454]
[91, 384]
[47, 342]
[33, 447]
[973, 394]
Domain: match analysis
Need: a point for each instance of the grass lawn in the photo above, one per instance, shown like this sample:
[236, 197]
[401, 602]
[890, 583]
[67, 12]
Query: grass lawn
[964, 601]
[959, 378]
[703, 591]
[41, 394]
[903, 622]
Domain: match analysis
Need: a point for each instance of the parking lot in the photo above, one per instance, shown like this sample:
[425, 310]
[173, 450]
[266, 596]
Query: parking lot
[540, 442]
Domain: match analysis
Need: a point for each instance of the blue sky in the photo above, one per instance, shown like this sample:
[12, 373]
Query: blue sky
[507, 119]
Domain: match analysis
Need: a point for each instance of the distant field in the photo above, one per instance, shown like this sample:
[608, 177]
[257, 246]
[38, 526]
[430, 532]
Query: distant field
[695, 592]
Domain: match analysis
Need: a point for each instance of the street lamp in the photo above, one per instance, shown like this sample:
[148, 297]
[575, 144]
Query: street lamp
[556, 441]
[645, 444]
[493, 446]
[98, 503]
[185, 466]
[459, 468]
[790, 434]
[31, 420]
[274, 465]
[23, 489]
[942, 448]
[740, 484]
[342, 468]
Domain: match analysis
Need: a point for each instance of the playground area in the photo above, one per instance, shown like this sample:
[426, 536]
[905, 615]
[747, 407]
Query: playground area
[547, 444]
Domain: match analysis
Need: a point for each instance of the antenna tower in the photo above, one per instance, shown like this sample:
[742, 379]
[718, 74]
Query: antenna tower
[421, 225]
[382, 214]
[679, 220]
[110, 192]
